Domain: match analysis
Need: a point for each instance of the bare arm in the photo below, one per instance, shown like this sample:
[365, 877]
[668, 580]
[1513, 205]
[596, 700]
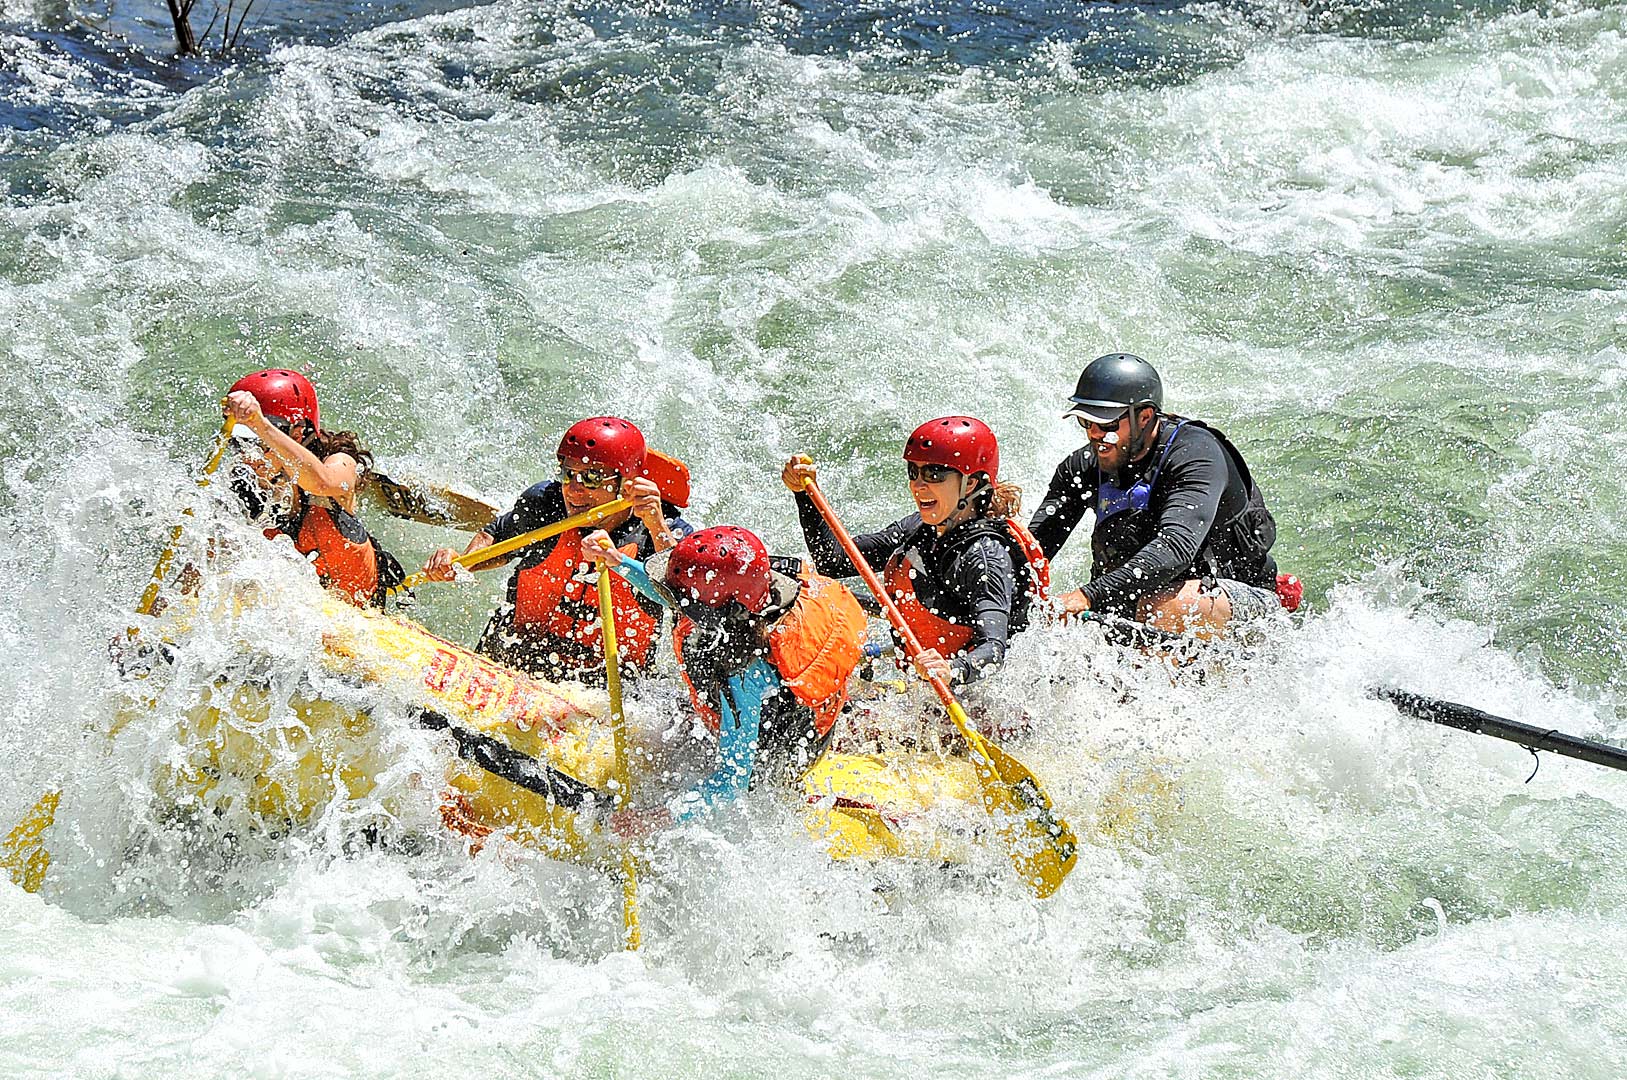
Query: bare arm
[647, 508]
[439, 565]
[335, 478]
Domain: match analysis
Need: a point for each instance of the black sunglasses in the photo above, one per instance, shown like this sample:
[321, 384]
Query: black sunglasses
[931, 474]
[1101, 425]
[589, 478]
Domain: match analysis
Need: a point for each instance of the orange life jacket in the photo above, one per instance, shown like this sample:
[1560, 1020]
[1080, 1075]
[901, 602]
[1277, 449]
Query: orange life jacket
[815, 647]
[550, 602]
[343, 563]
[945, 635]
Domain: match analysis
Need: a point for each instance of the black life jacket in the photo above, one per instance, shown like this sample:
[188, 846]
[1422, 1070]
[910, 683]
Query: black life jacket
[1238, 547]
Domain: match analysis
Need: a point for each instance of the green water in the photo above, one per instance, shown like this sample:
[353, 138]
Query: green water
[1384, 247]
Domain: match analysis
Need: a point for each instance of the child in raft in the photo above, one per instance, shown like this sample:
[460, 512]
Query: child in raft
[766, 648]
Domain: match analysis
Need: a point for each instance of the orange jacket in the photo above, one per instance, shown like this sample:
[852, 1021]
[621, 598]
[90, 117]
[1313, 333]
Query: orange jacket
[344, 557]
[815, 647]
[551, 602]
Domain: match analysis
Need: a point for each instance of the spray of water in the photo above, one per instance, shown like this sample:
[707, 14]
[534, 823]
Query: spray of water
[1386, 261]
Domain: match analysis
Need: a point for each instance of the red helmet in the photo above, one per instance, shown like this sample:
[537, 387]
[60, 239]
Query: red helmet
[287, 395]
[962, 443]
[720, 564]
[606, 441]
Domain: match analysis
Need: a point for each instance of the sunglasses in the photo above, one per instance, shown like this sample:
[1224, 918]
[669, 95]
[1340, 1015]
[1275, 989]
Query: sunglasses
[930, 474]
[589, 478]
[1097, 425]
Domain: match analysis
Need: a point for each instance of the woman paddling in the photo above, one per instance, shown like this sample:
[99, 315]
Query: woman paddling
[307, 480]
[549, 626]
[962, 569]
[766, 649]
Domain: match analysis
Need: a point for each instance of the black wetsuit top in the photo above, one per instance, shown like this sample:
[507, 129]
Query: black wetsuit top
[970, 574]
[1137, 553]
[539, 505]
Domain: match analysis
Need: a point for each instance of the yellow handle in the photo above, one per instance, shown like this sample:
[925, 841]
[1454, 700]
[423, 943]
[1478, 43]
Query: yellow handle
[618, 734]
[149, 595]
[802, 459]
[612, 680]
[470, 559]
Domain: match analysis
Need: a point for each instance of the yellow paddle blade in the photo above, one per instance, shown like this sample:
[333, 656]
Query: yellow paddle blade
[1042, 846]
[22, 852]
[429, 504]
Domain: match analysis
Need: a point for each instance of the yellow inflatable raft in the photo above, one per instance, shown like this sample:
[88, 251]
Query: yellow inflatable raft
[232, 753]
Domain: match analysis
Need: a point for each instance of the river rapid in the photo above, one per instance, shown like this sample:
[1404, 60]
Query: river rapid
[1382, 243]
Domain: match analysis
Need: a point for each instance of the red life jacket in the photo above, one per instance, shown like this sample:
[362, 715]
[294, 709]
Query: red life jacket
[815, 647]
[945, 635]
[343, 563]
[551, 603]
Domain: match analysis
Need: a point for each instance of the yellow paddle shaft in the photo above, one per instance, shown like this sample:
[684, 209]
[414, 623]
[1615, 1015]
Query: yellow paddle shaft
[618, 734]
[473, 559]
[149, 595]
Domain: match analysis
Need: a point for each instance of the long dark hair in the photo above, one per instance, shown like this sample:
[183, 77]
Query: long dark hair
[720, 647]
[324, 444]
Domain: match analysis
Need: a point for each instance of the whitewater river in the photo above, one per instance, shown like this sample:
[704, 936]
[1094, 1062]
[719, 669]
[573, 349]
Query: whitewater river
[1382, 243]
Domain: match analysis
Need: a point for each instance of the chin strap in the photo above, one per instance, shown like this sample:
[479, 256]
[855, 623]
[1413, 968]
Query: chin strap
[966, 497]
[1137, 432]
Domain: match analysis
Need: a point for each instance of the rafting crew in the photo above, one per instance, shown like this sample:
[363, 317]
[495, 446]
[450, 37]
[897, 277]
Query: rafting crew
[305, 481]
[548, 625]
[1182, 537]
[962, 569]
[766, 648]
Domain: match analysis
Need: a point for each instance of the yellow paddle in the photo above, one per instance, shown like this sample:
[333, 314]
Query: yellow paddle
[429, 504]
[618, 732]
[149, 595]
[470, 559]
[1042, 846]
[22, 853]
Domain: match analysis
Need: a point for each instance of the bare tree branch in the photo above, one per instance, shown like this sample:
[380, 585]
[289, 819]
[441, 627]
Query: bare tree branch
[187, 41]
[242, 20]
[180, 14]
[204, 37]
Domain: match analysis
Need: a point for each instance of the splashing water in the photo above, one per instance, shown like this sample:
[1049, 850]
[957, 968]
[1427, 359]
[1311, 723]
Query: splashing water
[1381, 245]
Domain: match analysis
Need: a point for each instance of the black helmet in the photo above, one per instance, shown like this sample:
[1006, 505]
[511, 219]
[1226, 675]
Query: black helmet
[1113, 383]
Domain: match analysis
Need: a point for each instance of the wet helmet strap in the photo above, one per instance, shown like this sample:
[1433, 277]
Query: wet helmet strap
[1137, 433]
